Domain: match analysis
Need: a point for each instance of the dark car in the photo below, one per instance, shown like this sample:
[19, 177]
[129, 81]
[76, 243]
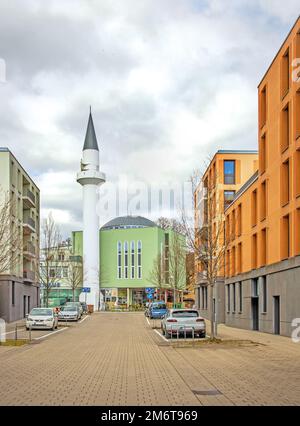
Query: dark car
[157, 310]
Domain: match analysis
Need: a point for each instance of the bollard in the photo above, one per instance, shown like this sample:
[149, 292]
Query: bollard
[184, 334]
[30, 333]
[171, 333]
[193, 334]
[16, 333]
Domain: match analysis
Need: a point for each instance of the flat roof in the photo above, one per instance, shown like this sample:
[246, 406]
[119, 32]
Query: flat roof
[275, 57]
[5, 149]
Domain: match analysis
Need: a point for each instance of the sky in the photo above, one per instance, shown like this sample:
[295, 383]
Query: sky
[169, 82]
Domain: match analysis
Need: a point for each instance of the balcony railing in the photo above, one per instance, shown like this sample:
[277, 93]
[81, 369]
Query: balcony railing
[28, 225]
[77, 259]
[29, 249]
[29, 276]
[28, 199]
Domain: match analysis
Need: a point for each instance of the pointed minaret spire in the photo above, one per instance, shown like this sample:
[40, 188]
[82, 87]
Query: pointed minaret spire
[90, 141]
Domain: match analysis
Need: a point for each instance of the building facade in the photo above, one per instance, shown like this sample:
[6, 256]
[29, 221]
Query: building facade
[263, 257]
[129, 247]
[225, 175]
[19, 288]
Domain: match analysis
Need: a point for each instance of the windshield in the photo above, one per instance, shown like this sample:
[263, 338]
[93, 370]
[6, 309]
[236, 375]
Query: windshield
[73, 304]
[160, 306]
[185, 314]
[69, 308]
[41, 312]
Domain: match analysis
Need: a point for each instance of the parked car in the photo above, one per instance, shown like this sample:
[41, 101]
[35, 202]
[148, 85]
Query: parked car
[183, 321]
[41, 318]
[157, 310]
[69, 313]
[78, 304]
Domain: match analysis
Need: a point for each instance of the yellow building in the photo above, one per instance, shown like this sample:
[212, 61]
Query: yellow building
[226, 173]
[19, 288]
[263, 222]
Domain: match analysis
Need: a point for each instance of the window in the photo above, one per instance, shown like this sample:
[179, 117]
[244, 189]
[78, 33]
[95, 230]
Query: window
[234, 298]
[13, 297]
[264, 292]
[228, 198]
[263, 107]
[205, 292]
[61, 257]
[263, 247]
[239, 258]
[126, 260]
[229, 172]
[239, 220]
[263, 201]
[233, 261]
[202, 291]
[132, 259]
[297, 112]
[241, 297]
[297, 172]
[52, 273]
[297, 232]
[285, 237]
[233, 227]
[285, 73]
[228, 298]
[139, 251]
[254, 251]
[285, 183]
[119, 255]
[254, 208]
[285, 128]
[228, 263]
[263, 153]
[255, 287]
[227, 228]
[65, 272]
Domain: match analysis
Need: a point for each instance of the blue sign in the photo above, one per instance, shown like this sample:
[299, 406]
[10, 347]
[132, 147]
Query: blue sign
[150, 295]
[86, 289]
[150, 290]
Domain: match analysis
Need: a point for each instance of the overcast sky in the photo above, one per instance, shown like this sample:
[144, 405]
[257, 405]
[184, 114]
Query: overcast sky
[169, 81]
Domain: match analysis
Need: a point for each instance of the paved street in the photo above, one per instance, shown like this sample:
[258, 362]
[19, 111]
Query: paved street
[117, 359]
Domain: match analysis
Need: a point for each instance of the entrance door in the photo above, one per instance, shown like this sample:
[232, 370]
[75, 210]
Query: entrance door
[255, 313]
[276, 314]
[24, 306]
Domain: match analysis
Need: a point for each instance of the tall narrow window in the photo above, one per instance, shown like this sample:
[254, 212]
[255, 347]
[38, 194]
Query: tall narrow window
[254, 208]
[263, 247]
[228, 263]
[239, 220]
[263, 201]
[139, 251]
[228, 298]
[132, 259]
[233, 227]
[297, 232]
[264, 292]
[229, 172]
[228, 198]
[263, 107]
[13, 298]
[297, 112]
[285, 183]
[119, 255]
[254, 251]
[297, 171]
[234, 298]
[285, 128]
[233, 261]
[285, 73]
[126, 259]
[239, 258]
[285, 237]
[263, 153]
[241, 296]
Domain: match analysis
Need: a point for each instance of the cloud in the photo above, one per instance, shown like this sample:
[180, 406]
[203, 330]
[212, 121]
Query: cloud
[169, 83]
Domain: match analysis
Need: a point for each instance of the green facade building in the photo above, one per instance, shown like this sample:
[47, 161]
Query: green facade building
[129, 247]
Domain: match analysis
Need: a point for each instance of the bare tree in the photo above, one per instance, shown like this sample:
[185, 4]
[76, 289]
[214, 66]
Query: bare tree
[170, 223]
[157, 273]
[177, 263]
[49, 261]
[206, 239]
[75, 275]
[10, 236]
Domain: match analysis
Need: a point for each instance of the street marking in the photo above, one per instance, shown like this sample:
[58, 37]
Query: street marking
[148, 321]
[11, 332]
[51, 334]
[163, 337]
[83, 320]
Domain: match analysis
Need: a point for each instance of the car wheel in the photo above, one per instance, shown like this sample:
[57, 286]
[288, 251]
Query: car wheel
[27, 328]
[203, 335]
[163, 331]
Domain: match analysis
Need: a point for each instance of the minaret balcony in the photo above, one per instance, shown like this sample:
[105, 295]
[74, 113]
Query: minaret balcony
[93, 177]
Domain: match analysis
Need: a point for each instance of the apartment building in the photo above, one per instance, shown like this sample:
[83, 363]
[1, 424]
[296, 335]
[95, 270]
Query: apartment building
[224, 176]
[19, 289]
[263, 221]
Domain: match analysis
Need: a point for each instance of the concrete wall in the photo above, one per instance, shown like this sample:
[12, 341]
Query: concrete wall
[283, 280]
[10, 312]
[219, 296]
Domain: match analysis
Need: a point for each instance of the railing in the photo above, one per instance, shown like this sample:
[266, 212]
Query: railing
[29, 248]
[27, 193]
[28, 275]
[77, 259]
[29, 222]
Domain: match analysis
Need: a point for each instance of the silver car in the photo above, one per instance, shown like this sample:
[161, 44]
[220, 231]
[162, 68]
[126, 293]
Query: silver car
[69, 313]
[41, 318]
[79, 306]
[183, 321]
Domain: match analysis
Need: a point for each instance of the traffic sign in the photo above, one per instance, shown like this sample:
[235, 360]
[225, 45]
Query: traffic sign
[86, 289]
[150, 290]
[150, 296]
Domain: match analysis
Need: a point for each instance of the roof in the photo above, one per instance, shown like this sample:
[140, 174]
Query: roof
[90, 141]
[124, 222]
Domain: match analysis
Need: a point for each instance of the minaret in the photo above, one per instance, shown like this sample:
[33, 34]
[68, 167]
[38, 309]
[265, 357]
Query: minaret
[90, 178]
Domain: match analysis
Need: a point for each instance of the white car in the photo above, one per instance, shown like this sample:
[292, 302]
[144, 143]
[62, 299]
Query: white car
[183, 322]
[78, 305]
[41, 318]
[69, 313]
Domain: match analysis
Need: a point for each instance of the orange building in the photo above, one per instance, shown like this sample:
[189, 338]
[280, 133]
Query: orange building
[263, 221]
[224, 176]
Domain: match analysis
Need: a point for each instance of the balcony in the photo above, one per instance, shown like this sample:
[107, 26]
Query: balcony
[29, 250]
[28, 199]
[201, 277]
[28, 276]
[76, 259]
[28, 226]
